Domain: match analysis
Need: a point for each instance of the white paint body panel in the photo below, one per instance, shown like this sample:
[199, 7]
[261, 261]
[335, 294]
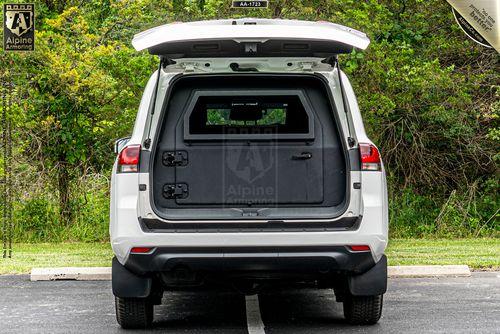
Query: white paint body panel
[263, 30]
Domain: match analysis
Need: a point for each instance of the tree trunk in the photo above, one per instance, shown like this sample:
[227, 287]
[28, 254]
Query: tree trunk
[65, 212]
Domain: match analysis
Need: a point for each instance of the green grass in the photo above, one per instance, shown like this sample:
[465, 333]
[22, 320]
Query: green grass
[483, 254]
[477, 253]
[27, 256]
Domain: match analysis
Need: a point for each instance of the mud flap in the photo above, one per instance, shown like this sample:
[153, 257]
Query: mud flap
[371, 283]
[127, 284]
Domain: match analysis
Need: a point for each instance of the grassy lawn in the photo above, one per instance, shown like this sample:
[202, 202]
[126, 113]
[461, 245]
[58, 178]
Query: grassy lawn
[27, 256]
[477, 253]
[481, 254]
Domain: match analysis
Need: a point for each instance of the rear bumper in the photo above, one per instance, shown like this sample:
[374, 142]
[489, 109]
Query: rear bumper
[252, 261]
[222, 245]
[336, 267]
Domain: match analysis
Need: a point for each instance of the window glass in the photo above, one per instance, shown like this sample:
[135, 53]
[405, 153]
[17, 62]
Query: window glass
[248, 114]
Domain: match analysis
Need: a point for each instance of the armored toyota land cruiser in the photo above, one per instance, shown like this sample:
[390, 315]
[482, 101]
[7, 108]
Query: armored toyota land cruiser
[248, 165]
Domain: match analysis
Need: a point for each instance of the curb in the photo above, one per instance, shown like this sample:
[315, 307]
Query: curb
[71, 273]
[104, 273]
[429, 271]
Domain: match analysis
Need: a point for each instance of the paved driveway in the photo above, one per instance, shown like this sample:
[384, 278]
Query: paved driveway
[446, 305]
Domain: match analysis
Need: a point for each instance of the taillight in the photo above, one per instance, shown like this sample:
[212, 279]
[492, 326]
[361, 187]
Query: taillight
[128, 160]
[370, 157]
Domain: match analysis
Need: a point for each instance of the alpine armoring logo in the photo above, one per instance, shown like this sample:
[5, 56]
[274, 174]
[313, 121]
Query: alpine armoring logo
[19, 27]
[248, 181]
[250, 163]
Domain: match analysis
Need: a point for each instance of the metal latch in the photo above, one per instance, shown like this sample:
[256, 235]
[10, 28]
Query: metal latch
[174, 158]
[176, 190]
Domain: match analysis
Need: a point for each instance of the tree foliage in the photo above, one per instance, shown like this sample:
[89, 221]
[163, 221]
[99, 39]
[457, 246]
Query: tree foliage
[429, 97]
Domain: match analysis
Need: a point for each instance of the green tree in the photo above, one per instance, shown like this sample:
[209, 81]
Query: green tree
[83, 92]
[429, 97]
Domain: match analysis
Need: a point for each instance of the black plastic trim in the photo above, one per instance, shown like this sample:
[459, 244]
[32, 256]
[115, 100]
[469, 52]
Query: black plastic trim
[229, 48]
[126, 284]
[144, 161]
[371, 283]
[149, 225]
[354, 159]
[316, 260]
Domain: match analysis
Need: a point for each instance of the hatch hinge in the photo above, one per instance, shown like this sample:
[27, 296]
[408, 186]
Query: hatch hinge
[175, 190]
[174, 158]
[351, 141]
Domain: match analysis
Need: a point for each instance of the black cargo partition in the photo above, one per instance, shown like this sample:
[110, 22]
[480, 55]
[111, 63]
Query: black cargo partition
[247, 146]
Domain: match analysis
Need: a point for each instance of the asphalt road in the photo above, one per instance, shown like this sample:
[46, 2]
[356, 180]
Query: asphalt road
[446, 305]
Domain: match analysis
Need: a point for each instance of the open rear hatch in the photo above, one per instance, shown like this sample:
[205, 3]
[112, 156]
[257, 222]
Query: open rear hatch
[250, 37]
[249, 145]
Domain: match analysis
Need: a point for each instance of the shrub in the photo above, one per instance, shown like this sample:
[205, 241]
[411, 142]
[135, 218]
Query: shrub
[429, 98]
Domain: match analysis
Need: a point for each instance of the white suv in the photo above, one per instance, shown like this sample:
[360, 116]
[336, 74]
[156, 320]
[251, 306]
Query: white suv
[248, 165]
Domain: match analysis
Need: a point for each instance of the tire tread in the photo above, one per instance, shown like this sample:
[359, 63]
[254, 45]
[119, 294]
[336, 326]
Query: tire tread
[134, 312]
[363, 310]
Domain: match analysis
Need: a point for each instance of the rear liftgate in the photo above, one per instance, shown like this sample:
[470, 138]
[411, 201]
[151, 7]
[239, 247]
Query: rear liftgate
[244, 147]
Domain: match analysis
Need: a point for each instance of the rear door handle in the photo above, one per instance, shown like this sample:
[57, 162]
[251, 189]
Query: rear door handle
[302, 156]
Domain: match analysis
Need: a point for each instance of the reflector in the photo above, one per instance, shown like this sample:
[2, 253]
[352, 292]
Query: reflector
[140, 250]
[360, 248]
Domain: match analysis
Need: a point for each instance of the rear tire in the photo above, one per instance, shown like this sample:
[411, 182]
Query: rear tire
[363, 310]
[134, 312]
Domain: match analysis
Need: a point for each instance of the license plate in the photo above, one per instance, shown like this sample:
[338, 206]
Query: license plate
[250, 4]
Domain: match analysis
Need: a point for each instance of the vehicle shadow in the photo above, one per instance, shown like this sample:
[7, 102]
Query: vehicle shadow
[305, 311]
[282, 311]
[201, 311]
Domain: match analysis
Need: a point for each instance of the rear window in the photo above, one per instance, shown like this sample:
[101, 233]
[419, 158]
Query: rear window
[249, 115]
[252, 113]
